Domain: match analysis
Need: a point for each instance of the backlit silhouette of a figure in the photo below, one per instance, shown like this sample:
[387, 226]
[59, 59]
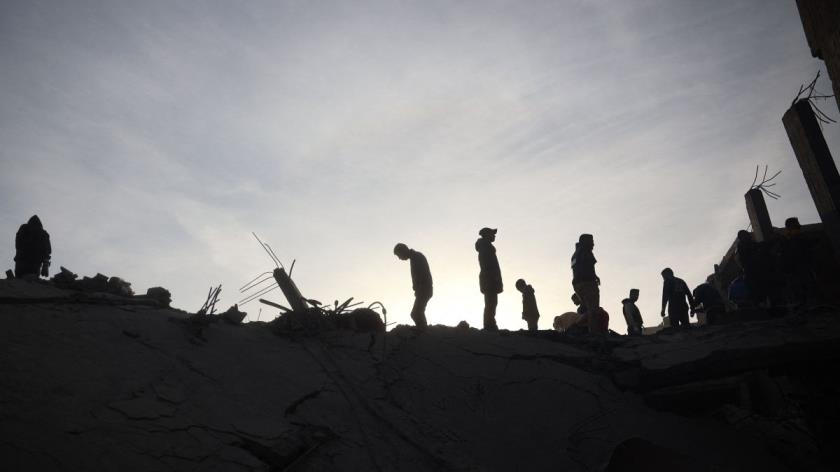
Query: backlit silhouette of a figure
[490, 276]
[421, 281]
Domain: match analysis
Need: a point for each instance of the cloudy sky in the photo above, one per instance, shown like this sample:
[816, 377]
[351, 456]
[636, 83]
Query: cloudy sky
[153, 137]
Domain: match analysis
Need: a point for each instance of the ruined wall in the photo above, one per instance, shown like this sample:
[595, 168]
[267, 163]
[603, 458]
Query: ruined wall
[821, 22]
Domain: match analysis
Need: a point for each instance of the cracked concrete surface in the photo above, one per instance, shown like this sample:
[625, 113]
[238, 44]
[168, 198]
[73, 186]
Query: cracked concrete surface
[90, 386]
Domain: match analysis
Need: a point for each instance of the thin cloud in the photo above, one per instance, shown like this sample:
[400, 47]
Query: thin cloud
[153, 138]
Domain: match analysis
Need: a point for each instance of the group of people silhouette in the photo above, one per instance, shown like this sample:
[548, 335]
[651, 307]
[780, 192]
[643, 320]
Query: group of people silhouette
[585, 283]
[33, 253]
[677, 299]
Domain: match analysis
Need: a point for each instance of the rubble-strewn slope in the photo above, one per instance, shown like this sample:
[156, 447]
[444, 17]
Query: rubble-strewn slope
[107, 384]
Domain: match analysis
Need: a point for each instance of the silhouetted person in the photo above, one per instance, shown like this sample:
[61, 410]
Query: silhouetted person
[707, 295]
[530, 312]
[674, 295]
[585, 281]
[421, 281]
[738, 292]
[631, 313]
[572, 322]
[795, 263]
[33, 250]
[581, 309]
[490, 276]
[750, 258]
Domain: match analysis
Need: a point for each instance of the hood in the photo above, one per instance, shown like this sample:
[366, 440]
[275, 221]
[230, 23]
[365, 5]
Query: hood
[626, 301]
[35, 222]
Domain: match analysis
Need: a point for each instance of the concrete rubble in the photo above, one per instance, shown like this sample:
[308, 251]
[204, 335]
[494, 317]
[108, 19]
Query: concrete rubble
[119, 386]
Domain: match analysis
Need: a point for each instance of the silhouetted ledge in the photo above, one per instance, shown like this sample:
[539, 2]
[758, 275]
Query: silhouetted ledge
[116, 385]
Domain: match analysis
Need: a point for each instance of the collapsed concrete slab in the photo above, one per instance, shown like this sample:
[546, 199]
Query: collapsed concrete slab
[91, 386]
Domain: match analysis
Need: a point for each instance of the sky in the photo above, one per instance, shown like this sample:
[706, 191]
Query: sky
[152, 138]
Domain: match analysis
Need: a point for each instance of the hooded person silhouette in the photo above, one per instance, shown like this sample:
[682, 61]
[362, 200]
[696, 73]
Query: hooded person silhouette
[32, 249]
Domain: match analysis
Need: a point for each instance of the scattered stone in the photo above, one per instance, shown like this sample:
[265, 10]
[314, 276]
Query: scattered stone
[64, 278]
[160, 294]
[97, 283]
[120, 287]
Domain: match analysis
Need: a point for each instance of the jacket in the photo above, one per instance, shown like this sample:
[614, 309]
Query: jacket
[421, 276]
[529, 304]
[631, 313]
[32, 243]
[583, 266]
[490, 276]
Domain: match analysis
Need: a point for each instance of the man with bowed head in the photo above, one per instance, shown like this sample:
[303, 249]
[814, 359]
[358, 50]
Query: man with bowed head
[421, 281]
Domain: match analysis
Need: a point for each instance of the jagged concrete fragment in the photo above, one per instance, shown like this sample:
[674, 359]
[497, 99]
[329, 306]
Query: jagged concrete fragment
[817, 165]
[758, 214]
[296, 301]
[821, 22]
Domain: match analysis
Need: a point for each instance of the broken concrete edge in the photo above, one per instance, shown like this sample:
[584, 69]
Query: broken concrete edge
[725, 363]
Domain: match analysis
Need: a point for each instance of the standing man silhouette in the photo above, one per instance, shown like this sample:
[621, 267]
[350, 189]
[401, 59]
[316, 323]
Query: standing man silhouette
[490, 276]
[674, 295]
[586, 282]
[632, 316]
[421, 281]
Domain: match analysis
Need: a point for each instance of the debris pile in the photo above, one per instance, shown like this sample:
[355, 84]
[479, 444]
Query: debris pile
[207, 313]
[317, 319]
[306, 315]
[99, 283]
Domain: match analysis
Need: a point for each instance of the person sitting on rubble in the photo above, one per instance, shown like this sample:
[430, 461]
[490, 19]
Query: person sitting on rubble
[631, 313]
[530, 312]
[707, 295]
[674, 295]
[33, 250]
[421, 281]
[572, 322]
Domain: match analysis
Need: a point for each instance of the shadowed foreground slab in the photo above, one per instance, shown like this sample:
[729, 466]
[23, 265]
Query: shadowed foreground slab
[110, 384]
